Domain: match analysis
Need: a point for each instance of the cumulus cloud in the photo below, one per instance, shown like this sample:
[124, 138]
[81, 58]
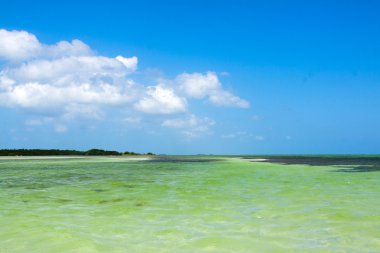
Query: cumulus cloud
[225, 98]
[65, 48]
[191, 126]
[161, 100]
[68, 70]
[46, 97]
[129, 63]
[197, 85]
[21, 45]
[68, 80]
[18, 45]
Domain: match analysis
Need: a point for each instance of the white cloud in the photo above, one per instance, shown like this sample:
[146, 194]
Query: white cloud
[161, 100]
[191, 126]
[64, 78]
[225, 98]
[21, 45]
[67, 80]
[69, 70]
[65, 48]
[5, 82]
[48, 97]
[129, 63]
[197, 85]
[18, 45]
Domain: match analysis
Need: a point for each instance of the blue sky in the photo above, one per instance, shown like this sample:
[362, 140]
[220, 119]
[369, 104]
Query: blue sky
[221, 77]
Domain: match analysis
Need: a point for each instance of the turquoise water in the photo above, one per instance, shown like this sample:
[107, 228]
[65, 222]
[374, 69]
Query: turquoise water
[223, 205]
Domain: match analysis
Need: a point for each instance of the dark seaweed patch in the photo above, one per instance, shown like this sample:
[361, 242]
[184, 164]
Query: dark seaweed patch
[181, 159]
[359, 169]
[10, 185]
[352, 163]
[37, 186]
[110, 201]
[28, 186]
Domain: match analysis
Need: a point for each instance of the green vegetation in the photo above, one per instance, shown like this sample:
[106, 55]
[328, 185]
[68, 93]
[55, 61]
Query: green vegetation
[38, 152]
[101, 152]
[54, 152]
[130, 153]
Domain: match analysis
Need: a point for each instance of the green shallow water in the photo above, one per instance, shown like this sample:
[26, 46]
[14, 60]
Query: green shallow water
[226, 205]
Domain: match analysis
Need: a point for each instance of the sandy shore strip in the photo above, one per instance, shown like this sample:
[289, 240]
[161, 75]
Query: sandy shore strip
[133, 158]
[39, 157]
[255, 159]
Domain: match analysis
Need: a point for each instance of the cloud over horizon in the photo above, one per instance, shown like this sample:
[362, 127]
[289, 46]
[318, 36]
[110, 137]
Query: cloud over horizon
[68, 80]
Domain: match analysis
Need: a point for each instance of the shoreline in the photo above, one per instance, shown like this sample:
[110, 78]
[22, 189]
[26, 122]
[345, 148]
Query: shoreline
[63, 157]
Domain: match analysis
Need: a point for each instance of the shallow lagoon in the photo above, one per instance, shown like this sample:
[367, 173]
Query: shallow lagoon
[189, 204]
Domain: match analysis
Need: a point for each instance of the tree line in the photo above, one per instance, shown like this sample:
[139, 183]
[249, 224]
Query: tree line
[52, 152]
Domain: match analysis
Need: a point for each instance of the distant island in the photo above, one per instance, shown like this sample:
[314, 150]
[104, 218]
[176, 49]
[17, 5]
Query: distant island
[53, 152]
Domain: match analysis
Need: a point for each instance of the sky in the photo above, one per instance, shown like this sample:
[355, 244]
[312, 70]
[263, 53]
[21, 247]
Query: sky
[191, 77]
